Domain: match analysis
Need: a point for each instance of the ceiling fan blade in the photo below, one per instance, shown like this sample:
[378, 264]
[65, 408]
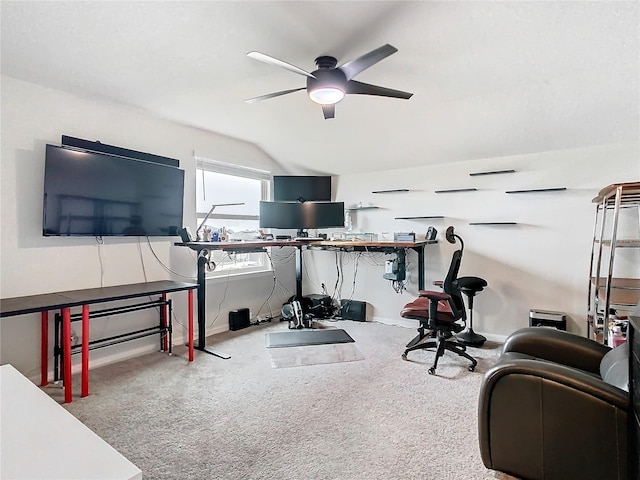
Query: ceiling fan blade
[329, 111]
[354, 67]
[272, 95]
[353, 87]
[279, 63]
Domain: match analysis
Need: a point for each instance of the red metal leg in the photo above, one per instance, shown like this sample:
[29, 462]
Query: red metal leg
[66, 353]
[85, 351]
[190, 301]
[165, 339]
[44, 348]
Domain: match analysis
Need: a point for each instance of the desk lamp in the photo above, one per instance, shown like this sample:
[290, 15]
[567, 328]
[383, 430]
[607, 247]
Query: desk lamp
[213, 207]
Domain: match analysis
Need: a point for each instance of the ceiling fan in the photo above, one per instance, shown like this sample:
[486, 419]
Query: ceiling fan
[329, 84]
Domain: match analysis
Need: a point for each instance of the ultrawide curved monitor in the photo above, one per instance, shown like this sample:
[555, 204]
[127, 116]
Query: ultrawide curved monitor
[301, 215]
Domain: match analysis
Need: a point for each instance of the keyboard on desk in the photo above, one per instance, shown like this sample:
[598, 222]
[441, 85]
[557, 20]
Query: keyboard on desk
[309, 239]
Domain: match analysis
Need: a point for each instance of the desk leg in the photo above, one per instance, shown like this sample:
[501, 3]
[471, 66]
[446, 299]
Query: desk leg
[164, 345]
[66, 353]
[299, 273]
[202, 318]
[44, 348]
[84, 390]
[190, 302]
[420, 251]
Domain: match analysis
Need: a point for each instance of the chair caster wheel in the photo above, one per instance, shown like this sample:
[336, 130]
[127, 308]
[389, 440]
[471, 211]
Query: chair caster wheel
[472, 368]
[432, 371]
[404, 356]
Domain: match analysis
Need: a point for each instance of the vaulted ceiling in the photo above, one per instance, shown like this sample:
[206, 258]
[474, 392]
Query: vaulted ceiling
[489, 78]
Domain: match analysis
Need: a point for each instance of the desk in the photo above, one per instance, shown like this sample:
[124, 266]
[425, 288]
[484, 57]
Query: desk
[40, 439]
[259, 245]
[63, 301]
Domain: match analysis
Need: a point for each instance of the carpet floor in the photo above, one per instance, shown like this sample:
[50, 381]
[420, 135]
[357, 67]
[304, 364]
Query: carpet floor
[379, 417]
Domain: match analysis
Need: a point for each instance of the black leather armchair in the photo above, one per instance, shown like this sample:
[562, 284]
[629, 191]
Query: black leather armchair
[555, 407]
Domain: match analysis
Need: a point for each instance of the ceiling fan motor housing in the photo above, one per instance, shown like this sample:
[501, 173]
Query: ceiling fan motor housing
[327, 78]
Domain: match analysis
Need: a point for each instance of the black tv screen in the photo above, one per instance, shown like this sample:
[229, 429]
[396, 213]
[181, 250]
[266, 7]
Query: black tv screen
[95, 194]
[300, 188]
[301, 215]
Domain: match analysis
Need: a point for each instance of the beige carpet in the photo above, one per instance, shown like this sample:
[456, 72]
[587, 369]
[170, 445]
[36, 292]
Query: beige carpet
[241, 419]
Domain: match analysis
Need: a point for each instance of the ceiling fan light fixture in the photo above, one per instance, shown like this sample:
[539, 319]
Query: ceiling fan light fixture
[326, 95]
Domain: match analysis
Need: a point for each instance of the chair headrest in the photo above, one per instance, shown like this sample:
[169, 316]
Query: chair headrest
[450, 235]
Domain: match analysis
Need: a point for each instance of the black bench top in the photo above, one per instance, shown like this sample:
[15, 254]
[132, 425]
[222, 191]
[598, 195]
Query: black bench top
[71, 298]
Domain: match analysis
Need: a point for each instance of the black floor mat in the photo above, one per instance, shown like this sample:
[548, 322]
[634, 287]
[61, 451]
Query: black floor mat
[297, 338]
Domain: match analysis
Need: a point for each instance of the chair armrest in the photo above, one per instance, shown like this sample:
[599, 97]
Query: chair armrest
[557, 346]
[537, 420]
[432, 295]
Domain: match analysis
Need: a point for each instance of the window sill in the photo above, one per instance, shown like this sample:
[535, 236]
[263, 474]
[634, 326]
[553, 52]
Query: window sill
[238, 275]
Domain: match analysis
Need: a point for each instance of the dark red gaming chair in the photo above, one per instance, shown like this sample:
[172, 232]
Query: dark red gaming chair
[440, 314]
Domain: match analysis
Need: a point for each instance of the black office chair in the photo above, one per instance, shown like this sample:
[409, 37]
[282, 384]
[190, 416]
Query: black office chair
[439, 314]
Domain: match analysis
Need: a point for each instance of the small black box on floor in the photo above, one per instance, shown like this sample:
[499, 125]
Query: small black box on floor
[353, 310]
[239, 319]
[317, 305]
[545, 318]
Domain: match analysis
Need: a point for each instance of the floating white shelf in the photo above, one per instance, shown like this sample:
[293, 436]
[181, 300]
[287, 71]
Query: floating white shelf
[457, 190]
[538, 190]
[494, 172]
[396, 190]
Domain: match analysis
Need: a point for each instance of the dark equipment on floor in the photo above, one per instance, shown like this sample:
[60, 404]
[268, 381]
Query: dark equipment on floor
[239, 319]
[292, 312]
[318, 306]
[439, 313]
[353, 310]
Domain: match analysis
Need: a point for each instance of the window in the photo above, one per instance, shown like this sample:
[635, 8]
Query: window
[218, 183]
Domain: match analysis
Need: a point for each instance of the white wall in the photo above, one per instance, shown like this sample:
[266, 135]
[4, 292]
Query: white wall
[542, 262]
[33, 116]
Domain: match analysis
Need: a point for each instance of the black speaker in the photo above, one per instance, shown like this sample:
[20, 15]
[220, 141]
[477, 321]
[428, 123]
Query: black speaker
[353, 310]
[239, 319]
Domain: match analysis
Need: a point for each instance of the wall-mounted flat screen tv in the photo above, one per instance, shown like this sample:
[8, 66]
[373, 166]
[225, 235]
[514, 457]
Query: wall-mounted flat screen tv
[96, 194]
[301, 188]
[300, 216]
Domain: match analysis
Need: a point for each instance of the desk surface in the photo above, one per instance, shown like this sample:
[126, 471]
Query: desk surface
[72, 298]
[40, 439]
[298, 243]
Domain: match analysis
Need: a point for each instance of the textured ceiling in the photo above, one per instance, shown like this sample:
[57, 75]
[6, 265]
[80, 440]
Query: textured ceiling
[489, 78]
